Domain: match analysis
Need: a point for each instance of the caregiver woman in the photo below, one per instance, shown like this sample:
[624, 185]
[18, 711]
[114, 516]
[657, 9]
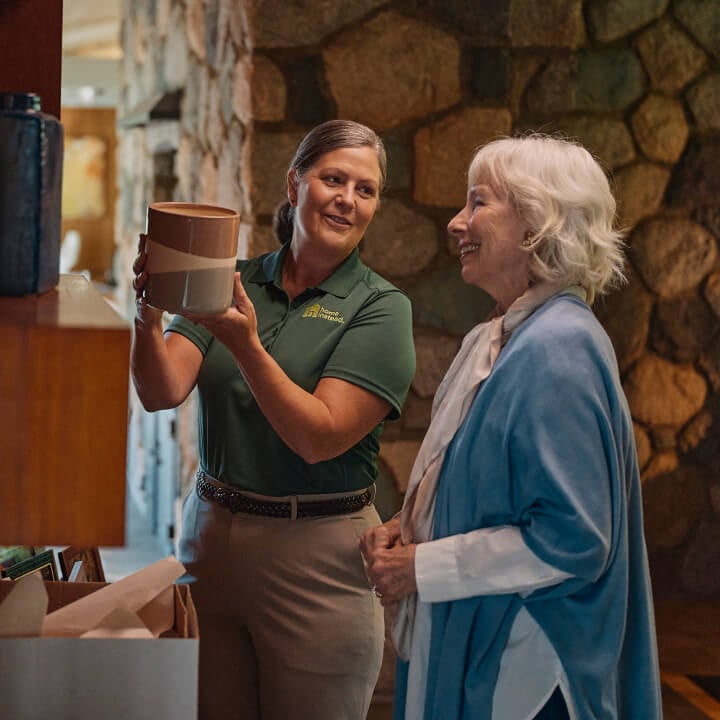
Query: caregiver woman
[294, 382]
[517, 568]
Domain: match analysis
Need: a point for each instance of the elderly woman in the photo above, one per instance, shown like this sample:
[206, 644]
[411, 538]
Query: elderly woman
[517, 568]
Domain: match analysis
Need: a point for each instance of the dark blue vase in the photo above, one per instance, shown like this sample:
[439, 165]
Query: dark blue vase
[31, 159]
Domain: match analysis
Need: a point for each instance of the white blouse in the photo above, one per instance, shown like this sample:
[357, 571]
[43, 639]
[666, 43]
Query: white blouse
[489, 561]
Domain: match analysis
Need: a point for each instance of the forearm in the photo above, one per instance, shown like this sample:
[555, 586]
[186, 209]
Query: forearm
[152, 370]
[303, 421]
[490, 561]
[317, 425]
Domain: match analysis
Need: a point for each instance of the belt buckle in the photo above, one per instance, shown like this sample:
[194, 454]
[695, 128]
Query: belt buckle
[233, 503]
[373, 492]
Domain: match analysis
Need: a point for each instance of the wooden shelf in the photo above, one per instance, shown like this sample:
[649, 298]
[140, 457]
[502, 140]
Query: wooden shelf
[64, 372]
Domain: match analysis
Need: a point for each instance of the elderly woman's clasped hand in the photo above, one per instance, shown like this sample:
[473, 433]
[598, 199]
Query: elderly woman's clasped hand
[390, 565]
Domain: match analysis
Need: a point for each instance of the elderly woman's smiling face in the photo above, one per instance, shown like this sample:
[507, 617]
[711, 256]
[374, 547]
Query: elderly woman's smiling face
[490, 233]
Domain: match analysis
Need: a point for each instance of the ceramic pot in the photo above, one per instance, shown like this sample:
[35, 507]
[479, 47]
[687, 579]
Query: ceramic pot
[191, 257]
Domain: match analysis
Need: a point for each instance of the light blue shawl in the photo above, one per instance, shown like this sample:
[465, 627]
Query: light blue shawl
[548, 446]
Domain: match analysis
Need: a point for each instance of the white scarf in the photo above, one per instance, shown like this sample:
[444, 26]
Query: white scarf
[473, 363]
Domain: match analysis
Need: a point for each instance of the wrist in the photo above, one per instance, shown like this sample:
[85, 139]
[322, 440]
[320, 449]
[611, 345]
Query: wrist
[249, 352]
[148, 325]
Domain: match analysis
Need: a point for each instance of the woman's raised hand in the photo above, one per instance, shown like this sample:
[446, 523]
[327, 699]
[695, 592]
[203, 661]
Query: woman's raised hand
[145, 314]
[235, 327]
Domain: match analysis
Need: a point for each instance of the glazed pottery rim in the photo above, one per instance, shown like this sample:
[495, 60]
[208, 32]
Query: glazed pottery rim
[216, 212]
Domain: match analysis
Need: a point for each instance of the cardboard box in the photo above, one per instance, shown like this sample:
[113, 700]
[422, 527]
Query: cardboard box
[101, 679]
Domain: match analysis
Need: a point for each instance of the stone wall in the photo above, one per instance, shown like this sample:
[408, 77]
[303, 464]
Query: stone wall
[190, 145]
[637, 81]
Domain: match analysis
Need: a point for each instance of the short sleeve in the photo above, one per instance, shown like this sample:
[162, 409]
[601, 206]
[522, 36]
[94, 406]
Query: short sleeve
[377, 351]
[197, 334]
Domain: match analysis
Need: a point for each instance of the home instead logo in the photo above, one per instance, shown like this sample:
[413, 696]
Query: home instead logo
[318, 311]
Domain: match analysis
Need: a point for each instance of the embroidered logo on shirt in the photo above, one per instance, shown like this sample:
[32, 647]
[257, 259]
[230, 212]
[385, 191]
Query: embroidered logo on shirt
[318, 311]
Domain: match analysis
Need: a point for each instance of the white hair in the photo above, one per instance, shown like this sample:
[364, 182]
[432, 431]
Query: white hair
[562, 193]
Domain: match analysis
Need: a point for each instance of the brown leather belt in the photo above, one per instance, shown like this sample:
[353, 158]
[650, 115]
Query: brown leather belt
[239, 501]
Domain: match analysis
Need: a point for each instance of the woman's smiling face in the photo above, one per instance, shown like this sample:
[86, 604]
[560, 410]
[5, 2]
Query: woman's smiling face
[490, 233]
[336, 199]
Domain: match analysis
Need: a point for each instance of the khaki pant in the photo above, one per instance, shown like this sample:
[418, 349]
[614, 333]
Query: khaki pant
[289, 629]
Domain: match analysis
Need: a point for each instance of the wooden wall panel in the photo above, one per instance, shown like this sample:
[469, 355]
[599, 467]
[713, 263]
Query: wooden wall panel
[31, 49]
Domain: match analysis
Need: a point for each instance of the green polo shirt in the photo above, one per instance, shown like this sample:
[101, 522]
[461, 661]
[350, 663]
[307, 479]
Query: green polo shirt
[355, 326]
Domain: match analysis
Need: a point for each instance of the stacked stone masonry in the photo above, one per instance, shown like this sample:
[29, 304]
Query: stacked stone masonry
[637, 81]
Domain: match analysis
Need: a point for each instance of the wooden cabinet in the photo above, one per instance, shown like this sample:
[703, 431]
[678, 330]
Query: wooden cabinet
[64, 373]
[64, 359]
